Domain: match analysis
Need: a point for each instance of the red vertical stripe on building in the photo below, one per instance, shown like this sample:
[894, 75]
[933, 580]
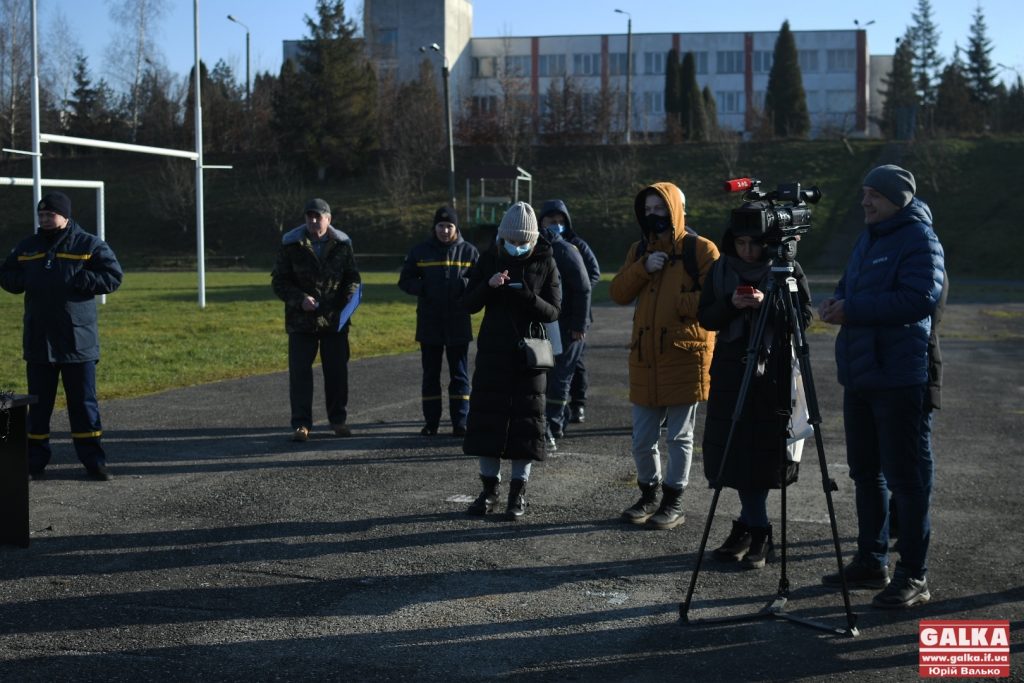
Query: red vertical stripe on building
[862, 76]
[748, 80]
[534, 76]
[604, 62]
[675, 42]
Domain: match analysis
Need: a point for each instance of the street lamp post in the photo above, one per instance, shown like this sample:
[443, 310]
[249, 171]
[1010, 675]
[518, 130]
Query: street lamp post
[445, 73]
[629, 73]
[248, 103]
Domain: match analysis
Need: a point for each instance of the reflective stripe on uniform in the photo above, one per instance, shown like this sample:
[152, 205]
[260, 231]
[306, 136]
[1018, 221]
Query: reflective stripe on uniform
[38, 437]
[86, 435]
[447, 264]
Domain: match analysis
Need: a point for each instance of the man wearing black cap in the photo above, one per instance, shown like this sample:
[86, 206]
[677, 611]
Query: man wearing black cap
[436, 272]
[315, 275]
[60, 270]
[884, 304]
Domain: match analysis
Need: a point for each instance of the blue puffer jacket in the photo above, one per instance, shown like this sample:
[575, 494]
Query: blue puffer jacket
[60, 275]
[891, 285]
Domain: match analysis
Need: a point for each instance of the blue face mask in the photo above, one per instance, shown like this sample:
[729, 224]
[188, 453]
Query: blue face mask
[513, 250]
[558, 227]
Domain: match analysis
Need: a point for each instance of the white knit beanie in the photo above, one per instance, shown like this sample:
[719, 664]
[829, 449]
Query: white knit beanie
[519, 224]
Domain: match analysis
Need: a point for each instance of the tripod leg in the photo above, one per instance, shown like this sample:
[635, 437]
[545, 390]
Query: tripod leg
[827, 484]
[756, 338]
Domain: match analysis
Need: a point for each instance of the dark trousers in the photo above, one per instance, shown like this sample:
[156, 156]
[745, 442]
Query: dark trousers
[79, 381]
[334, 353]
[580, 381]
[887, 451]
[458, 384]
[559, 380]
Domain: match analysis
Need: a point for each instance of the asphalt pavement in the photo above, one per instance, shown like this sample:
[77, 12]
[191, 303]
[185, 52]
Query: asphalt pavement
[223, 551]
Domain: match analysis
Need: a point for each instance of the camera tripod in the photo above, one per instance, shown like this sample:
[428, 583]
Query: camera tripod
[782, 296]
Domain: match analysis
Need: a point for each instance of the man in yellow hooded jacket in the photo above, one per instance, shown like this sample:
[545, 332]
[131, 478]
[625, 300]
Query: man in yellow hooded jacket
[670, 353]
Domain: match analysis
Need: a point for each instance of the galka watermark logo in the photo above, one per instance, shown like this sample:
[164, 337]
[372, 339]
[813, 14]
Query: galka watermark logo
[963, 649]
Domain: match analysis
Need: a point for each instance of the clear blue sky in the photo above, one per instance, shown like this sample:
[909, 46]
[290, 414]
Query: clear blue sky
[272, 21]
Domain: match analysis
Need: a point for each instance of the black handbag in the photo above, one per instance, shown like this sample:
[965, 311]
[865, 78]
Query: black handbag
[535, 348]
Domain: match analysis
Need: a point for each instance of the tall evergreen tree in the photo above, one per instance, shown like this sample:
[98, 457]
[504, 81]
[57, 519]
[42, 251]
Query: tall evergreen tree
[673, 85]
[955, 111]
[694, 121]
[901, 101]
[710, 110]
[927, 60]
[84, 99]
[785, 102]
[981, 73]
[333, 94]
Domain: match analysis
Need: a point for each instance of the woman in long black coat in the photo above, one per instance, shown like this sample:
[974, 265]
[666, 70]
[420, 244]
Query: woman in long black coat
[730, 304]
[517, 284]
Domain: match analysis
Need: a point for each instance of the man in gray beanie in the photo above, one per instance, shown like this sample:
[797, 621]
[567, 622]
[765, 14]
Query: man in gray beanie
[884, 304]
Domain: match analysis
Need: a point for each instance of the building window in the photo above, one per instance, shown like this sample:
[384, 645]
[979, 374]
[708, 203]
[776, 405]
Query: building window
[586, 64]
[730, 102]
[486, 104]
[654, 63]
[841, 101]
[518, 66]
[484, 67]
[813, 100]
[729, 62]
[551, 65]
[808, 61]
[763, 61]
[654, 102]
[617, 64]
[386, 45]
[841, 60]
[700, 60]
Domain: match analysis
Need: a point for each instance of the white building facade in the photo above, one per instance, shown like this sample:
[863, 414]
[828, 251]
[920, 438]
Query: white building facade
[835, 67]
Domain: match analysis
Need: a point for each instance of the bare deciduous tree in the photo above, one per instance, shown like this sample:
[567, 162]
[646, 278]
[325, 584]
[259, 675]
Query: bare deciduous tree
[15, 67]
[134, 47]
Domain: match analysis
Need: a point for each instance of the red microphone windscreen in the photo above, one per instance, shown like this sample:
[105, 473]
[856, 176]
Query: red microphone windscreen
[738, 184]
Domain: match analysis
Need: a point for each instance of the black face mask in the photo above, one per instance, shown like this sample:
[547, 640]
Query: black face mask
[657, 224]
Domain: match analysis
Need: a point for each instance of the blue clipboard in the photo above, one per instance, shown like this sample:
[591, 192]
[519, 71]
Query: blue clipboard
[350, 307]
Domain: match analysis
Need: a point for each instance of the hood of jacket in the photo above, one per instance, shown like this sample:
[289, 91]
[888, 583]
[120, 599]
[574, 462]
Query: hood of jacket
[557, 206]
[676, 203]
[914, 212]
[296, 235]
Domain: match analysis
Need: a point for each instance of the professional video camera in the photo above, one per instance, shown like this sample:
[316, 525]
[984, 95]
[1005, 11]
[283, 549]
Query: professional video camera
[775, 217]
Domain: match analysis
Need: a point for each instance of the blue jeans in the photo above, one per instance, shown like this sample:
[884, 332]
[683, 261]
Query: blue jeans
[754, 507]
[334, 352]
[580, 381]
[887, 450]
[491, 467]
[559, 380]
[458, 384]
[83, 411]
[679, 435]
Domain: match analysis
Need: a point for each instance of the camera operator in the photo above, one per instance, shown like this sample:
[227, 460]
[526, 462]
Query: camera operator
[730, 304]
[884, 304]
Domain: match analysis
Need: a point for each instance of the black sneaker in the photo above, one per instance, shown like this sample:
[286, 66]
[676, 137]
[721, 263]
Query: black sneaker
[577, 415]
[458, 430]
[98, 473]
[859, 574]
[428, 431]
[904, 591]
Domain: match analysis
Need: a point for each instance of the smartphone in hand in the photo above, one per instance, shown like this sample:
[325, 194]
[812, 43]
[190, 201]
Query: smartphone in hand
[746, 290]
[515, 285]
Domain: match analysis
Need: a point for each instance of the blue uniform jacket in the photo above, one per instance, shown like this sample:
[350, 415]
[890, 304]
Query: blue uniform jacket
[890, 288]
[60, 278]
[437, 275]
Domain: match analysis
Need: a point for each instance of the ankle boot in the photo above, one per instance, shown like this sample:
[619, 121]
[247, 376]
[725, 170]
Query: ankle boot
[670, 514]
[736, 545]
[640, 511]
[761, 547]
[516, 499]
[487, 499]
